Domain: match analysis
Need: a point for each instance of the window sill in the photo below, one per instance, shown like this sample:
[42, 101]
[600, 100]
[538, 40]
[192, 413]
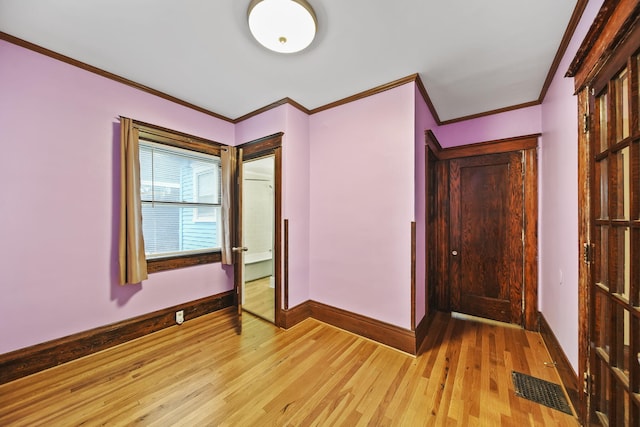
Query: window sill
[180, 261]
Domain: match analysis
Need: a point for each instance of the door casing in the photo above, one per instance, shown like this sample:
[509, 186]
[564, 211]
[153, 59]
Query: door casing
[439, 287]
[269, 145]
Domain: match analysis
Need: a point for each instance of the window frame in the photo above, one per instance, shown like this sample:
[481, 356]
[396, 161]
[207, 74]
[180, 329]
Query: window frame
[172, 138]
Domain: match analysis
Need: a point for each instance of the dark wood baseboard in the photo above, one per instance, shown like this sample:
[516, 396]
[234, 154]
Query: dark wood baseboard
[393, 336]
[296, 314]
[385, 333]
[565, 370]
[422, 330]
[29, 360]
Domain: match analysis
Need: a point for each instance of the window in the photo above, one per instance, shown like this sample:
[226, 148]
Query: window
[181, 199]
[207, 190]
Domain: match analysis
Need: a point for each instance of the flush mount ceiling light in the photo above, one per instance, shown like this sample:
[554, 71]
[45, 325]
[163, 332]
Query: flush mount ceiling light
[284, 26]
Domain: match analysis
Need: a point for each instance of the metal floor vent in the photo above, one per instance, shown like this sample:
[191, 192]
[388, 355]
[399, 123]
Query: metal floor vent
[541, 391]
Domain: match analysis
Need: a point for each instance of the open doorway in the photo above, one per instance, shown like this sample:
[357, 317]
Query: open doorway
[258, 232]
[258, 229]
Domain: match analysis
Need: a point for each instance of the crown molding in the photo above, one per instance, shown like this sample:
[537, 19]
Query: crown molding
[415, 78]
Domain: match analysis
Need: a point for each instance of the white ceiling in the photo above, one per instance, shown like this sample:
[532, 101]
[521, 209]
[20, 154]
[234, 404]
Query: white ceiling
[472, 56]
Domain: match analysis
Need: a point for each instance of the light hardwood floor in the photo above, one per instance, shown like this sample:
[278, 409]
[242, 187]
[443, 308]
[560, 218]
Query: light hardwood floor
[260, 298]
[203, 373]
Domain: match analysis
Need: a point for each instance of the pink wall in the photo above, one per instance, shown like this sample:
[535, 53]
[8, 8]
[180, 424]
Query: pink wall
[295, 182]
[297, 194]
[353, 180]
[556, 119]
[59, 132]
[524, 121]
[423, 121]
[362, 205]
[559, 203]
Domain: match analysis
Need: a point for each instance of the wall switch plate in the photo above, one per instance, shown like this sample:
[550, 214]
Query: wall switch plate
[179, 317]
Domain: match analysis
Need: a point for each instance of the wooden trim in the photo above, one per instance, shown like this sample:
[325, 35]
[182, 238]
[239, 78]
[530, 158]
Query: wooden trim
[261, 146]
[413, 275]
[585, 175]
[286, 264]
[592, 35]
[278, 309]
[29, 360]
[422, 330]
[566, 39]
[432, 142]
[374, 91]
[617, 59]
[271, 107]
[177, 139]
[295, 315]
[606, 33]
[530, 202]
[411, 78]
[491, 147]
[427, 99]
[492, 112]
[439, 290]
[391, 335]
[173, 138]
[170, 263]
[443, 294]
[95, 70]
[563, 366]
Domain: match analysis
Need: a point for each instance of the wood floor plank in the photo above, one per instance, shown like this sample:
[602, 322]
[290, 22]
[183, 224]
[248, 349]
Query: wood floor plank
[260, 298]
[205, 373]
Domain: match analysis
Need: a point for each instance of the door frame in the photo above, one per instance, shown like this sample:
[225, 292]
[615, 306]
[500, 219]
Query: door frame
[262, 147]
[528, 144]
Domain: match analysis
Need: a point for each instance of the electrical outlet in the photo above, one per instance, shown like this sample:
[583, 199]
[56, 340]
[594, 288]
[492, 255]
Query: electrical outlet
[179, 317]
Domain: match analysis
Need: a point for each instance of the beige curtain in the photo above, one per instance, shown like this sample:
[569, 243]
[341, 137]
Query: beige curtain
[133, 262]
[228, 162]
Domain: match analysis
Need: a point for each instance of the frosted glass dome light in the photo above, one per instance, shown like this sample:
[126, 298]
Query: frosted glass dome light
[284, 26]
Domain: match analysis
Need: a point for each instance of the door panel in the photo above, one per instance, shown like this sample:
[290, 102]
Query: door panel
[258, 228]
[486, 202]
[251, 153]
[614, 319]
[240, 248]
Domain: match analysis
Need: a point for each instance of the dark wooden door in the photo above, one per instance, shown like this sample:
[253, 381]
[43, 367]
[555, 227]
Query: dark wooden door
[607, 80]
[486, 236]
[615, 230]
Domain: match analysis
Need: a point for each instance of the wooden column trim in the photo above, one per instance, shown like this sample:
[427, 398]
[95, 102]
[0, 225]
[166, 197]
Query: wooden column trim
[278, 266]
[286, 264]
[585, 174]
[413, 275]
[443, 294]
[531, 239]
